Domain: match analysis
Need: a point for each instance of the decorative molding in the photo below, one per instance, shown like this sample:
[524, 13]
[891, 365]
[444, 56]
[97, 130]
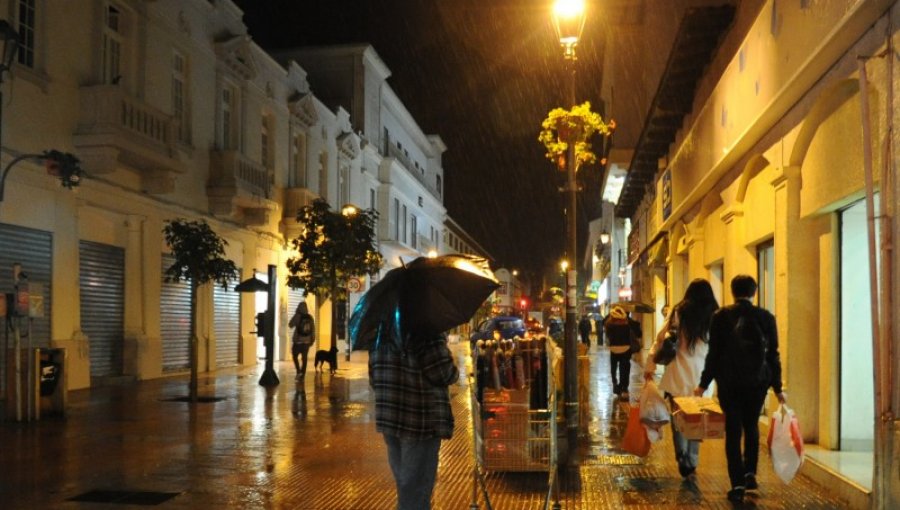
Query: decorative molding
[303, 108]
[347, 146]
[732, 212]
[784, 174]
[237, 54]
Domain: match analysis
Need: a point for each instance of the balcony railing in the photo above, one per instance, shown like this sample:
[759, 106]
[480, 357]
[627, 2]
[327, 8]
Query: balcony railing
[237, 182]
[116, 129]
[418, 173]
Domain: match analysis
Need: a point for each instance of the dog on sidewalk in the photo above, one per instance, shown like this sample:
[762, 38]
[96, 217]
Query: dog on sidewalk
[329, 356]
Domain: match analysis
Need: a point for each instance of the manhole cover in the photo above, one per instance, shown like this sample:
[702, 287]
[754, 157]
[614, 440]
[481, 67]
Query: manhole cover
[125, 497]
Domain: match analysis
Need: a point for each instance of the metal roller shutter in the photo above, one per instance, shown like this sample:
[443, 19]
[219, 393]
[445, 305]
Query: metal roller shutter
[227, 324]
[102, 286]
[33, 250]
[175, 320]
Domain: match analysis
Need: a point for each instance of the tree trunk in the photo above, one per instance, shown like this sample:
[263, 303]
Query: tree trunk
[194, 354]
[333, 307]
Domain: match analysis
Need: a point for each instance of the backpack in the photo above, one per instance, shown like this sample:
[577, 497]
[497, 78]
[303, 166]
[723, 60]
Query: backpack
[750, 348]
[306, 325]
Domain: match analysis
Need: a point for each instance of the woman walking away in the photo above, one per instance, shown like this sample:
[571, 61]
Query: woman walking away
[690, 321]
[304, 333]
[618, 332]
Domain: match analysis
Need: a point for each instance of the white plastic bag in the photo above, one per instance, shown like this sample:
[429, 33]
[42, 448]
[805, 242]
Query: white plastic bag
[785, 443]
[654, 412]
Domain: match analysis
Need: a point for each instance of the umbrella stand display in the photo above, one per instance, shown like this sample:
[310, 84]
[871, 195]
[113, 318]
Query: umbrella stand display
[427, 296]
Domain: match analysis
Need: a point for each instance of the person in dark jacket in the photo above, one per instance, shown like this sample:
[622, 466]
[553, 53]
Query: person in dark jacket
[618, 328]
[740, 396]
[584, 329]
[412, 411]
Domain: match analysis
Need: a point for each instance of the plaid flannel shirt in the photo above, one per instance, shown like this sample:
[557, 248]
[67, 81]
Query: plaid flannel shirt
[412, 399]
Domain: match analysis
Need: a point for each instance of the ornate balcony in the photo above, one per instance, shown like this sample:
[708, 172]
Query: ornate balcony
[239, 188]
[116, 130]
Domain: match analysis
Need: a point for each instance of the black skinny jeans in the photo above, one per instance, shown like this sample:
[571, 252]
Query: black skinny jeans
[742, 408]
[622, 364]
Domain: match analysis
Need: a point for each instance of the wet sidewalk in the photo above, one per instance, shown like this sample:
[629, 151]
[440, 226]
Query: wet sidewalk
[314, 446]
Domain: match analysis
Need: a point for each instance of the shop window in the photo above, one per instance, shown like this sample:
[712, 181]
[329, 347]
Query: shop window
[765, 275]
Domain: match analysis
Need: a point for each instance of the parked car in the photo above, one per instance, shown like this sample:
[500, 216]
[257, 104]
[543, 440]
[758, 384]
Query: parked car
[506, 326]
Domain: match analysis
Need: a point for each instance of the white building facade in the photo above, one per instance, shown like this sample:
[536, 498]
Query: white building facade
[176, 113]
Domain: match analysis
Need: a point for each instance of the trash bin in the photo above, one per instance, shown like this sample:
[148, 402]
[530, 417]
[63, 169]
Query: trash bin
[52, 380]
[42, 384]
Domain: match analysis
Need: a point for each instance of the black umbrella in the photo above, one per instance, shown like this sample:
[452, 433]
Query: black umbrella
[425, 297]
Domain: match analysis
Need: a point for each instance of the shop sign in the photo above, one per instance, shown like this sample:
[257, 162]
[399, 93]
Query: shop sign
[666, 194]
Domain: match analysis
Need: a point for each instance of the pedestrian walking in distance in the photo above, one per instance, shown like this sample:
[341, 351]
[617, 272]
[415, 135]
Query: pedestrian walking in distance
[690, 320]
[304, 333]
[618, 329]
[584, 329]
[743, 359]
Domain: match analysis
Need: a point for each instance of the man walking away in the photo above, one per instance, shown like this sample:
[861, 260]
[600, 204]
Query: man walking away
[412, 410]
[618, 329]
[743, 359]
[304, 332]
[584, 328]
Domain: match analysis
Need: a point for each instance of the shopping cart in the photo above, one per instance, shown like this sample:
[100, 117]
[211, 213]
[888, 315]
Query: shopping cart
[514, 427]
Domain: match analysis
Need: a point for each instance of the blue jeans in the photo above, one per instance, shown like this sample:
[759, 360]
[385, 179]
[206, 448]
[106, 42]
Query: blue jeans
[687, 451]
[414, 464]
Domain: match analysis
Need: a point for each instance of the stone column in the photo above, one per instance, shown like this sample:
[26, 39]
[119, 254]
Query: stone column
[738, 259]
[135, 337]
[797, 298]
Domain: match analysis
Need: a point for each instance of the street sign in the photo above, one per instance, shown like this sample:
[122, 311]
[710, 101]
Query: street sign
[354, 284]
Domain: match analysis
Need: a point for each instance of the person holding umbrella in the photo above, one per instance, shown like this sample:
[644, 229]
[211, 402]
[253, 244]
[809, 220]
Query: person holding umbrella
[402, 322]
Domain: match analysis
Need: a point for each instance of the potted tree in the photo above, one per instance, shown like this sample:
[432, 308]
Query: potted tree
[333, 247]
[199, 258]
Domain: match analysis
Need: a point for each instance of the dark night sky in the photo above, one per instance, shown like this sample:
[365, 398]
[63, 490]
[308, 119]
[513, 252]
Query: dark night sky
[482, 74]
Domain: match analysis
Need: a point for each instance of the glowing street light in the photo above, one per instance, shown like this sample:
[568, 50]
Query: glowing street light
[568, 19]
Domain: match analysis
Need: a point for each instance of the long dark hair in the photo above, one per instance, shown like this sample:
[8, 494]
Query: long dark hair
[695, 311]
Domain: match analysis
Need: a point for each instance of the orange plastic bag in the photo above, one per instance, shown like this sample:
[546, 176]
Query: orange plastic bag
[635, 440]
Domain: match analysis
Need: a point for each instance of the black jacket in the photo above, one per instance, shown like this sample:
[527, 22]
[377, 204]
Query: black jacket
[720, 333]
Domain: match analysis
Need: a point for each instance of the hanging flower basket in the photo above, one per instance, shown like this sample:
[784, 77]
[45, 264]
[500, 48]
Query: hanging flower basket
[577, 126]
[63, 165]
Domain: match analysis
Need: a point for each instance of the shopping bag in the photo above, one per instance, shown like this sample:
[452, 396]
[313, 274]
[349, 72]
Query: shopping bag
[785, 443]
[635, 439]
[654, 412]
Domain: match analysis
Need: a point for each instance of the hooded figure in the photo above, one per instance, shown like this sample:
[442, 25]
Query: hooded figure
[618, 332]
[304, 333]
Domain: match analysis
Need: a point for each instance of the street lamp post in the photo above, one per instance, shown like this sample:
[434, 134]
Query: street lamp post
[568, 18]
[265, 322]
[348, 211]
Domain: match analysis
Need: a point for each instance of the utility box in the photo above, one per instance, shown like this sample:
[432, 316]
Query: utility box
[41, 387]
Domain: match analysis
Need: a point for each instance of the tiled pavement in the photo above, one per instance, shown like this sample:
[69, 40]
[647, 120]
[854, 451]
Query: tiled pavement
[313, 446]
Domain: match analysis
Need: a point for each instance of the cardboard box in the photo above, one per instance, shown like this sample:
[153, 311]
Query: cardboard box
[698, 418]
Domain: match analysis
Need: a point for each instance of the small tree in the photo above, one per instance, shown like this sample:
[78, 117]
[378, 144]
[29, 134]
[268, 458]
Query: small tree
[200, 258]
[334, 247]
